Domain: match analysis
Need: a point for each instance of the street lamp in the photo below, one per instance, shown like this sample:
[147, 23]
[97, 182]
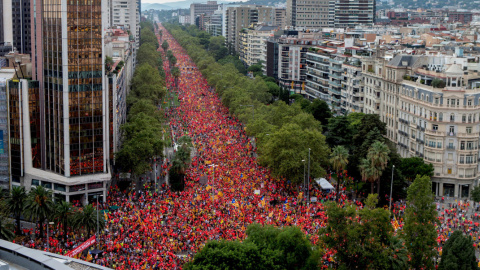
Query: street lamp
[304, 184]
[213, 179]
[308, 178]
[391, 188]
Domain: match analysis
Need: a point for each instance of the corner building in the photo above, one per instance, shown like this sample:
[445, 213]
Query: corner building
[71, 154]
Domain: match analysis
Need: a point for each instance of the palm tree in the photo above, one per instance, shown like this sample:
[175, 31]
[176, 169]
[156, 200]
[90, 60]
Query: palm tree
[87, 219]
[399, 255]
[64, 213]
[339, 160]
[39, 206]
[15, 204]
[6, 230]
[367, 172]
[175, 74]
[378, 156]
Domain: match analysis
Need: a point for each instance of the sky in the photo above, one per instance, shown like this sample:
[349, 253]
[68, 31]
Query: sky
[169, 1]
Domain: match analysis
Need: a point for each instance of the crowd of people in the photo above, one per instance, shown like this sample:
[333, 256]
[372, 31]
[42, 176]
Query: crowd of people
[164, 229]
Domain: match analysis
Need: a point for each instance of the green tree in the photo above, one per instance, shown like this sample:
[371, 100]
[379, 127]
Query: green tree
[458, 253]
[411, 167]
[476, 194]
[86, 218]
[340, 132]
[108, 63]
[64, 214]
[175, 73]
[146, 84]
[362, 238]
[39, 206]
[368, 173]
[6, 229]
[320, 110]
[147, 54]
[227, 255]
[420, 222]
[378, 156]
[15, 204]
[339, 161]
[142, 142]
[288, 146]
[256, 69]
[165, 45]
[372, 201]
[264, 248]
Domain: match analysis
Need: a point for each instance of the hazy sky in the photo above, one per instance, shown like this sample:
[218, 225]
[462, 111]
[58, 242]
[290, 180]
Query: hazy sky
[167, 1]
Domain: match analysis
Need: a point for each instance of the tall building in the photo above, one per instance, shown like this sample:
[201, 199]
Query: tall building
[197, 9]
[16, 25]
[349, 13]
[214, 25]
[238, 18]
[252, 42]
[308, 14]
[67, 101]
[125, 14]
[318, 14]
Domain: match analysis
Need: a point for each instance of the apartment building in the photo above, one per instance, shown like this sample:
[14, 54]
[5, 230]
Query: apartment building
[197, 9]
[352, 87]
[309, 14]
[252, 42]
[431, 107]
[125, 14]
[120, 49]
[292, 61]
[214, 25]
[318, 71]
[350, 13]
[238, 18]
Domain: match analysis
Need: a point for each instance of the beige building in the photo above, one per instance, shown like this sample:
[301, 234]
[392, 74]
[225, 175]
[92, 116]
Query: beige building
[431, 107]
[252, 42]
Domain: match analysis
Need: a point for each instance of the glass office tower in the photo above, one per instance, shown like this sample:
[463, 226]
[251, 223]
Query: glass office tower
[67, 61]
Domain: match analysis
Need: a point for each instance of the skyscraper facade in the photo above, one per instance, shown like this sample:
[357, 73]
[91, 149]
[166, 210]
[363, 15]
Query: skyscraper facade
[70, 148]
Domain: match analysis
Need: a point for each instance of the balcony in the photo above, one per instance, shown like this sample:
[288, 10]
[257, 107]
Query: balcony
[469, 135]
[335, 84]
[334, 91]
[450, 147]
[434, 132]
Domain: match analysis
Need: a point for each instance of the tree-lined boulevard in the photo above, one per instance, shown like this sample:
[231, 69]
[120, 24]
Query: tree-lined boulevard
[246, 155]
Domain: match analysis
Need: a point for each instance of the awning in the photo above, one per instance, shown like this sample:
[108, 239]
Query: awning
[323, 183]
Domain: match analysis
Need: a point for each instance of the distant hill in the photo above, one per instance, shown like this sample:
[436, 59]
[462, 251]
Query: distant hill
[156, 6]
[263, 2]
[429, 4]
[178, 4]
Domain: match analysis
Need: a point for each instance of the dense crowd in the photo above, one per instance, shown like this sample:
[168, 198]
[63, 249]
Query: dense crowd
[163, 230]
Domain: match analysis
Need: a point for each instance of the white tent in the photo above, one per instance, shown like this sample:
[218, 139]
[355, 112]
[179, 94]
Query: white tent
[322, 182]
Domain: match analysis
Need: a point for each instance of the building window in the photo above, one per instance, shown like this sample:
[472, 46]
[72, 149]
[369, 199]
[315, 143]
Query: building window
[35, 182]
[435, 127]
[451, 129]
[469, 130]
[60, 187]
[46, 184]
[452, 117]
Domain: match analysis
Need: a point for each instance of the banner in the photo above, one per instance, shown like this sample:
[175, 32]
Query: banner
[82, 247]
